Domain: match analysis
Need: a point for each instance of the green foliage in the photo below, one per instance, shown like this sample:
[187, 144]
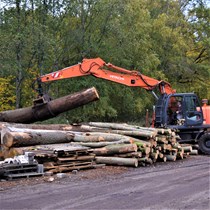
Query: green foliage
[7, 94]
[166, 40]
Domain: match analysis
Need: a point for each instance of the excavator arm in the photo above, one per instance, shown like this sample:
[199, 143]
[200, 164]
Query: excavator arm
[98, 68]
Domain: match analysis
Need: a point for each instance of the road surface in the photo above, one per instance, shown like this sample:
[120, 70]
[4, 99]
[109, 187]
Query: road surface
[183, 184]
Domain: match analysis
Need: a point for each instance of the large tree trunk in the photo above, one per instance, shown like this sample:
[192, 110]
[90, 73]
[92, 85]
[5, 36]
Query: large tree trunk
[50, 109]
[36, 137]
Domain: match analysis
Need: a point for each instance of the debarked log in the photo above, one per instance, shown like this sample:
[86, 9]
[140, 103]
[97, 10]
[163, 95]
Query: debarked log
[117, 161]
[50, 109]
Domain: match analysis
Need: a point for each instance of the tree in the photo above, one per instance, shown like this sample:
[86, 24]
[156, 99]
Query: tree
[7, 96]
[199, 18]
[166, 40]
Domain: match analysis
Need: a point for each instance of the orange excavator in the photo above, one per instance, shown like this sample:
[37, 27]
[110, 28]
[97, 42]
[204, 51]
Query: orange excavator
[179, 111]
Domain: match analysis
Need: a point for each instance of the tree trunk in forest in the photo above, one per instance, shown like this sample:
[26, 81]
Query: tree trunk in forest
[50, 109]
[18, 51]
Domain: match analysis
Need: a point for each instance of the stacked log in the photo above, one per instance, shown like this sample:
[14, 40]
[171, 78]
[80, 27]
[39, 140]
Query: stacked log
[102, 143]
[152, 144]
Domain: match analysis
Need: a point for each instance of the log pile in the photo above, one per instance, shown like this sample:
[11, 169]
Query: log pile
[73, 147]
[149, 144]
[52, 148]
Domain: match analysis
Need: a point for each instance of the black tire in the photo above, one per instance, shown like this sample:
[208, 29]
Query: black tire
[204, 143]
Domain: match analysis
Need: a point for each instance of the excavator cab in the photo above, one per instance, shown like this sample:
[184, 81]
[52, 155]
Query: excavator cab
[181, 109]
[183, 113]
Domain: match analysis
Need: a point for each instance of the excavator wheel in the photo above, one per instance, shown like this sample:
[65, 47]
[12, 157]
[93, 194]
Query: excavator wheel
[204, 143]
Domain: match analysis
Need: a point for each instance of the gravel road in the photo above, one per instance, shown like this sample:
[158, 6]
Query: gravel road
[183, 184]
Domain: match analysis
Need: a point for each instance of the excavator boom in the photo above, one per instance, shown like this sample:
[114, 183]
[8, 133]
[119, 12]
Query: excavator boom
[98, 68]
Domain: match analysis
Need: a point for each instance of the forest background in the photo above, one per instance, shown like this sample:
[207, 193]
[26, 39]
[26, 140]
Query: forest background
[164, 39]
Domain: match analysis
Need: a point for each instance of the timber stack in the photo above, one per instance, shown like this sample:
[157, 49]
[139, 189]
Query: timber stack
[62, 148]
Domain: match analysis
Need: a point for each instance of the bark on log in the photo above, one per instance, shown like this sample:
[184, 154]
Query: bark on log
[130, 155]
[50, 109]
[118, 161]
[161, 139]
[103, 143]
[136, 133]
[63, 127]
[154, 156]
[35, 137]
[97, 136]
[170, 157]
[194, 152]
[108, 136]
[143, 159]
[125, 129]
[145, 150]
[115, 149]
[88, 139]
[187, 148]
[120, 126]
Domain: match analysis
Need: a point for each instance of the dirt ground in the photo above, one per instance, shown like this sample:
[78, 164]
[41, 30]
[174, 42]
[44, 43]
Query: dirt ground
[184, 184]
